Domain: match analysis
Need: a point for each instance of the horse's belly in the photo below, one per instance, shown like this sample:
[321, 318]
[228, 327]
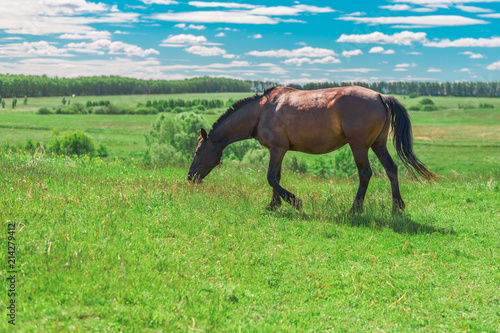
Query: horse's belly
[320, 145]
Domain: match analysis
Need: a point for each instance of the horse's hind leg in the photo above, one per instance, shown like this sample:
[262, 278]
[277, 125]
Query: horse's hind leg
[274, 175]
[276, 200]
[365, 173]
[391, 169]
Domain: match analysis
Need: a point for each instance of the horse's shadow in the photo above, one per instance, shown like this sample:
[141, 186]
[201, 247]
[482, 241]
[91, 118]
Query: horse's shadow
[402, 224]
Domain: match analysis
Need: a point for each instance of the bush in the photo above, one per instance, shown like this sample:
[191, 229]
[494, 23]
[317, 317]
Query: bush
[414, 108]
[76, 108]
[76, 143]
[467, 106]
[426, 101]
[429, 108]
[486, 106]
[295, 165]
[145, 110]
[173, 139]
[413, 95]
[256, 157]
[44, 110]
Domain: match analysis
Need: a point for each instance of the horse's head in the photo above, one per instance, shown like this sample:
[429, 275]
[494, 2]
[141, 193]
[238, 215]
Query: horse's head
[206, 157]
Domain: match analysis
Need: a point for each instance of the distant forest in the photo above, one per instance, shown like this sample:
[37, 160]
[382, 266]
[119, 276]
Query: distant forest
[43, 86]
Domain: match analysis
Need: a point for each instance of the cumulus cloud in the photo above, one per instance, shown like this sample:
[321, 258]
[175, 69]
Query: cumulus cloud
[182, 40]
[184, 26]
[494, 66]
[399, 38]
[473, 55]
[466, 42]
[380, 49]
[305, 60]
[417, 21]
[434, 70]
[31, 49]
[104, 45]
[93, 35]
[352, 53]
[205, 51]
[302, 52]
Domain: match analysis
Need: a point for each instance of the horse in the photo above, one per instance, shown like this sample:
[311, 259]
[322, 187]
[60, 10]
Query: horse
[315, 122]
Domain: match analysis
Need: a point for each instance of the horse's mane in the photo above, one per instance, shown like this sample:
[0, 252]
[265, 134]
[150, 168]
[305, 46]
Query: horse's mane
[237, 105]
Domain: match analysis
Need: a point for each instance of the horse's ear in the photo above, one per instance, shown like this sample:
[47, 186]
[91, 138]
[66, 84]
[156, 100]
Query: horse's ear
[204, 134]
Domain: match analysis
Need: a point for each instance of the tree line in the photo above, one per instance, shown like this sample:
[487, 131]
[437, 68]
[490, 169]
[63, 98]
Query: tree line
[12, 86]
[43, 86]
[459, 89]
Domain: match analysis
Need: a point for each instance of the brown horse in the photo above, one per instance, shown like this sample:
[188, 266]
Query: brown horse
[315, 122]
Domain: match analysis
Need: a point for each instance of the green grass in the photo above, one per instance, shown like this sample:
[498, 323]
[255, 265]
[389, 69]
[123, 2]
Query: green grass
[112, 246]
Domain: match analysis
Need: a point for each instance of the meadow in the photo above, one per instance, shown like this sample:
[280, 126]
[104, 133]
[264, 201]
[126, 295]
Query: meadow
[114, 245]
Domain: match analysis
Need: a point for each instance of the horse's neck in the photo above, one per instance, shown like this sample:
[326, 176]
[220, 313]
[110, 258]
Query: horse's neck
[239, 126]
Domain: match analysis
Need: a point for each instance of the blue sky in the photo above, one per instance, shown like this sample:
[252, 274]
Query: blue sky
[281, 41]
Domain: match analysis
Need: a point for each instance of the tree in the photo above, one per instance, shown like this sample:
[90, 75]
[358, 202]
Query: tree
[14, 103]
[3, 104]
[25, 100]
[64, 101]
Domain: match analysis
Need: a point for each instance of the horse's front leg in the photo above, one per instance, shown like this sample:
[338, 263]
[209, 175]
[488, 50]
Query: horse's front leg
[276, 200]
[273, 177]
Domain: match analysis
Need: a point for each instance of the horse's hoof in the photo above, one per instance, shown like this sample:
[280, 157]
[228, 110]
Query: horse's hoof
[272, 208]
[297, 204]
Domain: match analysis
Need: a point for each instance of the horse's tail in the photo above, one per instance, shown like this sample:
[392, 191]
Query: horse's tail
[402, 137]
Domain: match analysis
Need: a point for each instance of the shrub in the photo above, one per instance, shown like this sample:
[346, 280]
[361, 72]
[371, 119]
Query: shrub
[413, 95]
[76, 143]
[173, 138]
[44, 110]
[145, 110]
[295, 164]
[414, 108]
[467, 106]
[429, 108]
[256, 157]
[486, 106]
[426, 101]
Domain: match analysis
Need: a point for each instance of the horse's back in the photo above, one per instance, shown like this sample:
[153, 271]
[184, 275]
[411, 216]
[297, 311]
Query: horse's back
[320, 121]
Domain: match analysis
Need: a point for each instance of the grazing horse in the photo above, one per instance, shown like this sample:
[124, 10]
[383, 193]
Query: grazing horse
[315, 122]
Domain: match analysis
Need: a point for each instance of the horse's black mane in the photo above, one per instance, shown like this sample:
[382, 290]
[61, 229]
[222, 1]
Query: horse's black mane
[238, 105]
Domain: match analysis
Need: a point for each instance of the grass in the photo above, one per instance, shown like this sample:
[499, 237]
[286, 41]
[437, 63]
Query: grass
[113, 245]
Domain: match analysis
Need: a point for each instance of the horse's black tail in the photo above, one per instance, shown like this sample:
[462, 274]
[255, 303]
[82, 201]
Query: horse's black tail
[402, 137]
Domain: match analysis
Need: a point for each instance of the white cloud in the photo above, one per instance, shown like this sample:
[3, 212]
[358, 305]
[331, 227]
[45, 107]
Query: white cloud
[159, 2]
[234, 5]
[215, 17]
[305, 60]
[354, 70]
[143, 69]
[399, 38]
[494, 66]
[256, 36]
[221, 34]
[205, 51]
[399, 69]
[102, 45]
[472, 9]
[31, 49]
[495, 15]
[466, 42]
[380, 49]
[420, 21]
[352, 53]
[405, 64]
[396, 7]
[93, 35]
[473, 55]
[184, 26]
[182, 40]
[434, 70]
[302, 52]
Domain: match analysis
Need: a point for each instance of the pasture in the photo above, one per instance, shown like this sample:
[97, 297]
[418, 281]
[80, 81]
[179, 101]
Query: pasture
[113, 245]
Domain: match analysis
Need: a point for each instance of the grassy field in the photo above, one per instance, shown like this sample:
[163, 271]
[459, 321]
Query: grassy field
[112, 245]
